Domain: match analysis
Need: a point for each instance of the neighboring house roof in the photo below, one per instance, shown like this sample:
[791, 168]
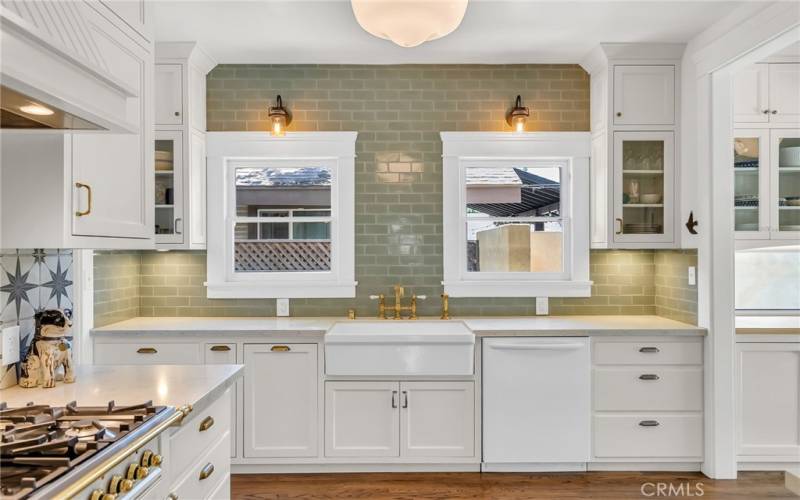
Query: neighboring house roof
[488, 176]
[539, 195]
[283, 177]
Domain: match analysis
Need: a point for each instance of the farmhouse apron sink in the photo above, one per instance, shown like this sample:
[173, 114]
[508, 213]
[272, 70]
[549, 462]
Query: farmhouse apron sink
[397, 348]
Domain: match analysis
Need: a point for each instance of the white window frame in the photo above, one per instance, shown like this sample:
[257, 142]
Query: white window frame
[230, 150]
[567, 150]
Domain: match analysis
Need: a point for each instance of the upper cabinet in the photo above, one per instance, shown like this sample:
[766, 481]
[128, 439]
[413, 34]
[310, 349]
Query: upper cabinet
[767, 94]
[169, 94]
[635, 128]
[86, 190]
[644, 95]
[180, 150]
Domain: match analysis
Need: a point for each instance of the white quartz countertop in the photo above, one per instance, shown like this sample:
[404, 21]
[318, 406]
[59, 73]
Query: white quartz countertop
[173, 385]
[532, 325]
[771, 325]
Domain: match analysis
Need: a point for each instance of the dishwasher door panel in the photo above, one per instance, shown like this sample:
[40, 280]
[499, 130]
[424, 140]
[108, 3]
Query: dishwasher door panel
[536, 400]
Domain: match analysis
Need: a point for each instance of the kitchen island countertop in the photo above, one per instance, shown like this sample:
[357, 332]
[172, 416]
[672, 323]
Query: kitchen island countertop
[483, 326]
[173, 385]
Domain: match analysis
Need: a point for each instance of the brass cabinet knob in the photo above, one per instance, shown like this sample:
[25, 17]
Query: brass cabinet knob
[619, 113]
[207, 423]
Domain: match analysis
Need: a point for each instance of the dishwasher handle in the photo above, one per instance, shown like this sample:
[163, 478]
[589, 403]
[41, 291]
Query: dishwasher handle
[538, 347]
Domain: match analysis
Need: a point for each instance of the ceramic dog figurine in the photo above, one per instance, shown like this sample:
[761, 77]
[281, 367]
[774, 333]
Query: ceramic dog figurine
[50, 350]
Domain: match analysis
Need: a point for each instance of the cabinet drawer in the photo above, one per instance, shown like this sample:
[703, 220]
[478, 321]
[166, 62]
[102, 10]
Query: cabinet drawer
[220, 354]
[629, 436]
[647, 352]
[204, 477]
[198, 433]
[147, 353]
[650, 389]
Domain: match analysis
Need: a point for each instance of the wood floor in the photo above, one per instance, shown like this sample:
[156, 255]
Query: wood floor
[494, 486]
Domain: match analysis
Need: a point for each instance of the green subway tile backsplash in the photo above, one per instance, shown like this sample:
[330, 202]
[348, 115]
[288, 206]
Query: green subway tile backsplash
[398, 112]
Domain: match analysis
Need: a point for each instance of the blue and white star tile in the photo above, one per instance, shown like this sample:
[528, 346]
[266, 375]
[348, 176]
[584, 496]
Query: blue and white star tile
[55, 291]
[19, 282]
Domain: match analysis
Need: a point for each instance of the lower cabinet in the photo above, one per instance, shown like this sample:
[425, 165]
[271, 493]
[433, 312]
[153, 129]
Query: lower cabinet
[225, 354]
[399, 419]
[280, 400]
[768, 399]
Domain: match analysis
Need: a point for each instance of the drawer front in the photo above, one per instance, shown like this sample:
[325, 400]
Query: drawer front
[147, 353]
[200, 432]
[647, 352]
[630, 436]
[207, 473]
[648, 389]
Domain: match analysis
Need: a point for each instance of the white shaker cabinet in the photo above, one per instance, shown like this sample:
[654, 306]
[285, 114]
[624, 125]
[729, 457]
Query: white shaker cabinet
[751, 95]
[784, 93]
[768, 401]
[169, 94]
[280, 400]
[169, 187]
[362, 419]
[644, 95]
[437, 419]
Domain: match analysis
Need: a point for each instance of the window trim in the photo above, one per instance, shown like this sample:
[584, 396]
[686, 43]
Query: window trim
[230, 150]
[571, 151]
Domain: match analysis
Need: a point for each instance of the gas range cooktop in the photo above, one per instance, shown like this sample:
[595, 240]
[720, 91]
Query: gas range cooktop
[42, 444]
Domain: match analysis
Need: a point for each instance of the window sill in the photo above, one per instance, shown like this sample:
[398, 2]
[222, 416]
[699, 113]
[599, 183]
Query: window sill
[518, 288]
[280, 290]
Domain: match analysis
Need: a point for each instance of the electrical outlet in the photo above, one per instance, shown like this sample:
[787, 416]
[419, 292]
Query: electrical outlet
[692, 276]
[10, 346]
[282, 307]
[542, 306]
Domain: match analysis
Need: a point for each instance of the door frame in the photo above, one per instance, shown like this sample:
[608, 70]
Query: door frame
[747, 35]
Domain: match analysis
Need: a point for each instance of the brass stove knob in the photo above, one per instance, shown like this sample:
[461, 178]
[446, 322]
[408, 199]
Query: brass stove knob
[136, 471]
[156, 460]
[96, 495]
[125, 485]
[142, 472]
[114, 484]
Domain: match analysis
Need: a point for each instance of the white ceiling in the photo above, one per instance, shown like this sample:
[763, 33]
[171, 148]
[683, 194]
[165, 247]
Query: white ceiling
[300, 31]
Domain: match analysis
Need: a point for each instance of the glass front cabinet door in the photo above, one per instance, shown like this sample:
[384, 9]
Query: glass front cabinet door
[751, 183]
[644, 171]
[785, 183]
[169, 188]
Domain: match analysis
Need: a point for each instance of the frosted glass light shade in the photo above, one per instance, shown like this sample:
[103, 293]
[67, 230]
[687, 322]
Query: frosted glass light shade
[409, 23]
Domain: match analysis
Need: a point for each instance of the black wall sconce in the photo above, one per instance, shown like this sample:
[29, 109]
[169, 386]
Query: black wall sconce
[518, 115]
[280, 118]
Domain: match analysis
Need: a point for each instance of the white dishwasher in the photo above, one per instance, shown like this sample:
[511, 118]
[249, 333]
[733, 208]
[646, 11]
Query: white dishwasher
[536, 403]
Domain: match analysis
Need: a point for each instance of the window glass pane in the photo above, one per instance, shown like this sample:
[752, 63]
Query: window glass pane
[279, 247]
[768, 279]
[283, 191]
[513, 191]
[494, 246]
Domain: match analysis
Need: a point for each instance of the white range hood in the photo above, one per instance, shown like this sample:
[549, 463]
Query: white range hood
[57, 59]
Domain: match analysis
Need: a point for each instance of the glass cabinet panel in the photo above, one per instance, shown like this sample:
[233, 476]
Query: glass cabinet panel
[788, 184]
[168, 188]
[747, 168]
[643, 176]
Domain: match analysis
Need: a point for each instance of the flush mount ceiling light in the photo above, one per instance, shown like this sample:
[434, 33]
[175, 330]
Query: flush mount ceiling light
[409, 23]
[518, 115]
[280, 118]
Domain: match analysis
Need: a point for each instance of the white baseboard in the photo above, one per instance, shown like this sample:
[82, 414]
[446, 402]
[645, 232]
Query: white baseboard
[344, 468]
[768, 466]
[792, 480]
[534, 467]
[644, 466]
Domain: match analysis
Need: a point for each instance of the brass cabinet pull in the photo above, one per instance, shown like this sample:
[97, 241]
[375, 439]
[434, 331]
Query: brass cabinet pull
[649, 423]
[220, 348]
[280, 348]
[147, 350]
[648, 376]
[619, 221]
[88, 188]
[649, 349]
[172, 496]
[207, 423]
[206, 471]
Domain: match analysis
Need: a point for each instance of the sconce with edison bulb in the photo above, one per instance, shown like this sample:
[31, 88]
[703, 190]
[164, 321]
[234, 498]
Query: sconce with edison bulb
[279, 118]
[518, 116]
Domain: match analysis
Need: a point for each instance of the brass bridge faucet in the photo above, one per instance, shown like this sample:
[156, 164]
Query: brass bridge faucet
[398, 307]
